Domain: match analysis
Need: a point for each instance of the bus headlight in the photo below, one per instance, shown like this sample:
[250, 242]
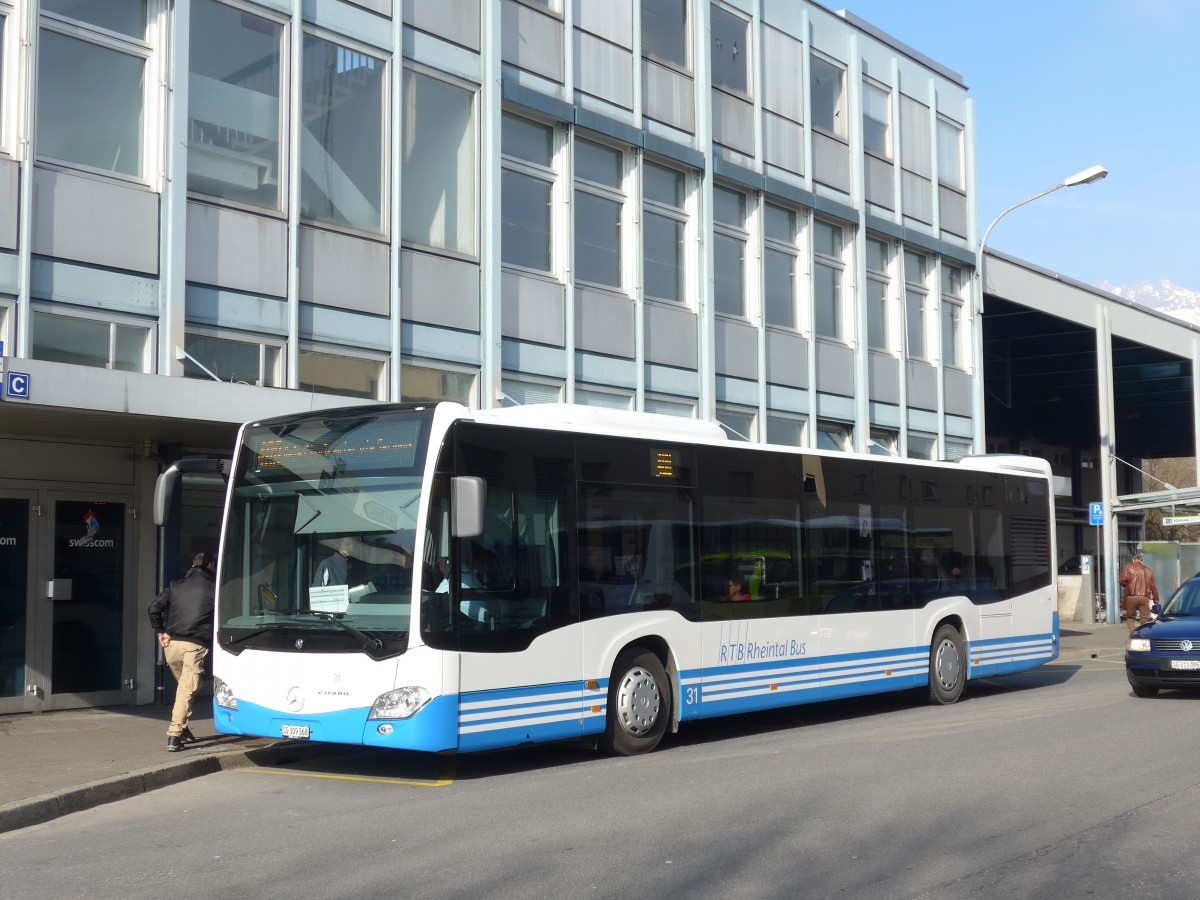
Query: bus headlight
[1139, 645]
[223, 694]
[399, 704]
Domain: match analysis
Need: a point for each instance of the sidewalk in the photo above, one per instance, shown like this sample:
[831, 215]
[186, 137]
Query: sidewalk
[63, 762]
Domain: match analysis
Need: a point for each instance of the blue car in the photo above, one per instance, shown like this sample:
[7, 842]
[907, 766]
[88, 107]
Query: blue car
[1165, 653]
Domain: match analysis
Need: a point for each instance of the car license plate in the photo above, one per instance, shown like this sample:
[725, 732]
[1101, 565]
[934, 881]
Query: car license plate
[1185, 664]
[296, 731]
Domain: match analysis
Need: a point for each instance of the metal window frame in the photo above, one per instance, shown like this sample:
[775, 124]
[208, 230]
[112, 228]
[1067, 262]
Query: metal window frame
[111, 319]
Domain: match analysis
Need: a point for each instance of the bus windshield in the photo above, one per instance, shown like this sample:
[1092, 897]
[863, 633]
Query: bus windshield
[320, 532]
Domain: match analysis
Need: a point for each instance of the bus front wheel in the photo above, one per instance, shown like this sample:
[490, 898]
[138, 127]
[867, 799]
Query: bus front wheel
[947, 666]
[639, 704]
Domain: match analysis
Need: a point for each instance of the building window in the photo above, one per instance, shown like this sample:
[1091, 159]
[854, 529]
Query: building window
[922, 447]
[603, 399]
[916, 303]
[664, 224]
[91, 96]
[127, 17]
[519, 392]
[527, 191]
[828, 270]
[952, 197]
[4, 145]
[828, 97]
[684, 409]
[737, 422]
[781, 265]
[877, 120]
[950, 155]
[915, 160]
[957, 449]
[784, 430]
[666, 33]
[350, 376]
[835, 436]
[729, 251]
[783, 100]
[341, 145]
[438, 165]
[234, 117]
[244, 362]
[952, 316]
[599, 209]
[432, 385]
[884, 442]
[878, 289]
[81, 341]
[7, 317]
[730, 51]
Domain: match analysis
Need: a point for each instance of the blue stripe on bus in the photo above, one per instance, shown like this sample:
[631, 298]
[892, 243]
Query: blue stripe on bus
[1004, 656]
[511, 716]
[484, 720]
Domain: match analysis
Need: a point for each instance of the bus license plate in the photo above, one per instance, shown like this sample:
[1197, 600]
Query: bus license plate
[296, 731]
[1185, 664]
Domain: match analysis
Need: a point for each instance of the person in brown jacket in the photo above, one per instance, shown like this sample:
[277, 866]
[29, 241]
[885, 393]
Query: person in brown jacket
[1137, 581]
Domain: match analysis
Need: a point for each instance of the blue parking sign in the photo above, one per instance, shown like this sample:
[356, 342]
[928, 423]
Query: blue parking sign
[1095, 513]
[18, 386]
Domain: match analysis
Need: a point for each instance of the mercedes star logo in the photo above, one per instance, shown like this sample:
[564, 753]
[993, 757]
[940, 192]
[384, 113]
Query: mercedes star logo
[295, 699]
[299, 643]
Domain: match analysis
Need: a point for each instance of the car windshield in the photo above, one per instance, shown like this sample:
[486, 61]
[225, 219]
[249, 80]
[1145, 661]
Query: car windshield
[1186, 601]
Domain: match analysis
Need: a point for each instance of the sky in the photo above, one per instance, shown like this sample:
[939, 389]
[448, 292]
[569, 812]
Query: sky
[1062, 85]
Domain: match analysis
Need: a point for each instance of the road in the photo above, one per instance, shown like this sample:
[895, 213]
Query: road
[1057, 783]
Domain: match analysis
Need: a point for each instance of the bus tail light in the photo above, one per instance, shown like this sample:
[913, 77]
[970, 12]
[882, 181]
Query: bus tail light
[399, 704]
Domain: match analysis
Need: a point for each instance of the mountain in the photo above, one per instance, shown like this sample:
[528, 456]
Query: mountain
[1166, 297]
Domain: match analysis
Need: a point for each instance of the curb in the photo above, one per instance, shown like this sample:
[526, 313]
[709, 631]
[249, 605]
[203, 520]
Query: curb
[36, 810]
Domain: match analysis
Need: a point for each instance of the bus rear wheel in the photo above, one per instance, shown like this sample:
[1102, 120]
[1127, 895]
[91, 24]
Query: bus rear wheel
[639, 704]
[947, 666]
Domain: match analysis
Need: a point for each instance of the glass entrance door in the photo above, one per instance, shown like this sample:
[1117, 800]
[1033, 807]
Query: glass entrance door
[89, 571]
[16, 631]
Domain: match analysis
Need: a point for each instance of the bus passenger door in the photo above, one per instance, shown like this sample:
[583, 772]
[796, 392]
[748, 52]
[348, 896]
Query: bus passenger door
[521, 659]
[993, 578]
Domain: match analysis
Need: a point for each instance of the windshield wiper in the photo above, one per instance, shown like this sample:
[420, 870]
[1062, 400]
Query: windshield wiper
[249, 634]
[368, 642]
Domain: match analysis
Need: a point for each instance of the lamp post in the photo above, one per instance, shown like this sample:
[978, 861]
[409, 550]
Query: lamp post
[1087, 176]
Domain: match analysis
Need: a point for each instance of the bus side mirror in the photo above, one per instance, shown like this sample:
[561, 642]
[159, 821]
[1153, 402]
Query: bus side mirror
[164, 488]
[467, 495]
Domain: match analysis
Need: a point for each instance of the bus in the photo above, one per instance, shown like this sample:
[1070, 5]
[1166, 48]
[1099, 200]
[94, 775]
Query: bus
[427, 577]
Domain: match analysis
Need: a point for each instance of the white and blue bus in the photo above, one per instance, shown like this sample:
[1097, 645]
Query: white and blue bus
[431, 578]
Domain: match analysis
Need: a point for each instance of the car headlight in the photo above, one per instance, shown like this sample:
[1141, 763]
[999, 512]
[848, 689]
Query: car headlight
[223, 694]
[399, 704]
[1139, 645]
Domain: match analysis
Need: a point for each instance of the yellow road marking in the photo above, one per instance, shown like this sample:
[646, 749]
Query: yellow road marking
[446, 779]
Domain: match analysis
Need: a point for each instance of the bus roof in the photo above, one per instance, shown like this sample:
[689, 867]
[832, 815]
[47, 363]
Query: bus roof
[573, 417]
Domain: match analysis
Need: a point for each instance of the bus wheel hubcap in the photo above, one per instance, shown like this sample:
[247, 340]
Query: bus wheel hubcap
[948, 664]
[638, 701]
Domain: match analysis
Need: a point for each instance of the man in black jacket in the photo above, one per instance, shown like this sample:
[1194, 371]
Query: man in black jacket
[186, 640]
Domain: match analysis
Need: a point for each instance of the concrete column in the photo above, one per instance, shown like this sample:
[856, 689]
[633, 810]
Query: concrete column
[1108, 488]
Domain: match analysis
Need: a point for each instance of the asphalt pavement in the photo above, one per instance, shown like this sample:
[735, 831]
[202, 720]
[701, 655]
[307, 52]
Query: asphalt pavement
[57, 763]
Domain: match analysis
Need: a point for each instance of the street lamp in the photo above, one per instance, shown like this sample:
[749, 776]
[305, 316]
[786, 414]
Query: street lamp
[1087, 176]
